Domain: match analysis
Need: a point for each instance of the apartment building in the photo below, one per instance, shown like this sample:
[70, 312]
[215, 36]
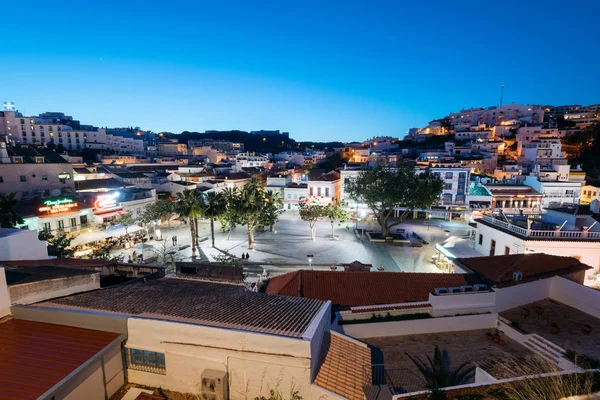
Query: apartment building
[250, 160]
[527, 134]
[555, 190]
[497, 115]
[31, 171]
[100, 140]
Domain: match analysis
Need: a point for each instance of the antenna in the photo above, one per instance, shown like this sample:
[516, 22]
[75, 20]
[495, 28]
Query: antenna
[501, 95]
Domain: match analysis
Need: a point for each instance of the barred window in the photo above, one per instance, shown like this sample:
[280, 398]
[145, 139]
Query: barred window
[145, 360]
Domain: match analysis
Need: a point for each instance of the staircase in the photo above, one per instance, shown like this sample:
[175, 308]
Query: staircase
[544, 348]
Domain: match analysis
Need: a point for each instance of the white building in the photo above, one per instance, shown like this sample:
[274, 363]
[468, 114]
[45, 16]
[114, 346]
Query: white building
[497, 115]
[527, 134]
[21, 244]
[560, 232]
[325, 188]
[100, 140]
[294, 193]
[248, 160]
[33, 171]
[554, 190]
[456, 185]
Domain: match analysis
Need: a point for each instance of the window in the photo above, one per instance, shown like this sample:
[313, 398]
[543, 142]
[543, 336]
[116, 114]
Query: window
[144, 360]
[289, 196]
[448, 175]
[326, 192]
[311, 192]
[46, 227]
[44, 177]
[23, 178]
[480, 239]
[319, 191]
[1, 179]
[60, 224]
[73, 221]
[447, 186]
[506, 250]
[492, 248]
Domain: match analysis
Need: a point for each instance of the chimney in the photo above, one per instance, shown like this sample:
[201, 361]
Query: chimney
[4, 158]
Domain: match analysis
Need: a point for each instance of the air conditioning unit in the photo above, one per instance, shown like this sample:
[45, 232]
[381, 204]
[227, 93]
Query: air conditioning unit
[480, 287]
[454, 289]
[214, 385]
[441, 290]
[466, 288]
[517, 276]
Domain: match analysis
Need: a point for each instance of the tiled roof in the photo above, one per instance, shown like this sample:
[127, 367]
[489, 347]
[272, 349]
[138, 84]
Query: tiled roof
[204, 303]
[499, 269]
[341, 368]
[35, 356]
[28, 151]
[364, 288]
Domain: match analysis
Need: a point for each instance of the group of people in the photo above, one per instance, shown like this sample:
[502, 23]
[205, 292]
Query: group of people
[245, 256]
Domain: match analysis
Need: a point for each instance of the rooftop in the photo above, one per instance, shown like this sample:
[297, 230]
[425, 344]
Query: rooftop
[569, 321]
[204, 303]
[36, 356]
[500, 269]
[351, 289]
[29, 152]
[92, 184]
[19, 276]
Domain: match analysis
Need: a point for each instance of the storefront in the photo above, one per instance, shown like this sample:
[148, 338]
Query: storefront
[107, 207]
[55, 214]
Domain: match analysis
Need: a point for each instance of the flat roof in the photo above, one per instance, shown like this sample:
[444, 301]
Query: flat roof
[203, 303]
[19, 276]
[35, 356]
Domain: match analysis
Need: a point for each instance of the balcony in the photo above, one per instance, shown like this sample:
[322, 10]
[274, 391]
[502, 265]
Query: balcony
[541, 234]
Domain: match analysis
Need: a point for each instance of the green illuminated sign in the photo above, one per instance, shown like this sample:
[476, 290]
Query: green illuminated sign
[57, 202]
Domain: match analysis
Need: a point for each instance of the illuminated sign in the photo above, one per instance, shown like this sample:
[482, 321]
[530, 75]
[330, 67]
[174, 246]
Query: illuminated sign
[58, 206]
[106, 201]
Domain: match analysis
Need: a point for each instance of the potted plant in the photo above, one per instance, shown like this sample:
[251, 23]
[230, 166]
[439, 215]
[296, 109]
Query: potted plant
[524, 312]
[587, 329]
[554, 329]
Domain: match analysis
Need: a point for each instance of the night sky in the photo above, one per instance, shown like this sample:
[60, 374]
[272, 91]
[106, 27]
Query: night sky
[344, 71]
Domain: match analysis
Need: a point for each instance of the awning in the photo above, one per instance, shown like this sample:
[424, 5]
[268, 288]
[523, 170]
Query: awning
[110, 214]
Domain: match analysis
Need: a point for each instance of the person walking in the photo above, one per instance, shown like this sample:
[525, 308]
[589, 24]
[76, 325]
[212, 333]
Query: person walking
[173, 240]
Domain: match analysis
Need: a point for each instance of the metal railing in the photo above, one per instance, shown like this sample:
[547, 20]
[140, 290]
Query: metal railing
[540, 233]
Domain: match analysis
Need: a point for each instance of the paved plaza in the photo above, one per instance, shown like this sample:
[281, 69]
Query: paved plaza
[287, 248]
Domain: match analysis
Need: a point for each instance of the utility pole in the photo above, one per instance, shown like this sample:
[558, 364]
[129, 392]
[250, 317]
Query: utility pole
[501, 95]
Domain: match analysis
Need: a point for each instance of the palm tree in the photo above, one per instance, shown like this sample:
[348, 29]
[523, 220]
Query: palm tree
[215, 205]
[189, 207]
[272, 209]
[248, 204]
[8, 217]
[437, 371]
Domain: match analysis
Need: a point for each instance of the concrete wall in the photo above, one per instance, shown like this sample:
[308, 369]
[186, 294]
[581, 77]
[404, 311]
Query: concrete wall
[76, 318]
[4, 297]
[428, 325]
[255, 362]
[21, 244]
[99, 378]
[577, 296]
[34, 292]
[518, 295]
[321, 324]
[465, 303]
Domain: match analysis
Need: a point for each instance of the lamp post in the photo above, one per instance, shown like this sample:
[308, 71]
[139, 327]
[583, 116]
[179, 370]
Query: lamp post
[310, 257]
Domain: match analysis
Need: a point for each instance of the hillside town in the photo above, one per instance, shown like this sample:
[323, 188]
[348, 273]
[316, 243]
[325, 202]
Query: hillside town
[245, 264]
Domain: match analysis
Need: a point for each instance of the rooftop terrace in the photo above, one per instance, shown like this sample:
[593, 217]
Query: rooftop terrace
[536, 234]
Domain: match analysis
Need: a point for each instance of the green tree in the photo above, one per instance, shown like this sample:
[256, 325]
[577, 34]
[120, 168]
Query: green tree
[249, 203]
[311, 212]
[126, 220]
[59, 245]
[215, 205]
[159, 210]
[189, 207]
[272, 209]
[438, 373]
[335, 213]
[384, 189]
[8, 216]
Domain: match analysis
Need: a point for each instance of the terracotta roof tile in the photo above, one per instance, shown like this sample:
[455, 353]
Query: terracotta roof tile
[499, 269]
[364, 288]
[341, 368]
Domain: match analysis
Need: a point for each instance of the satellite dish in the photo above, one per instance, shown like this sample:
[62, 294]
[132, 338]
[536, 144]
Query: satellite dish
[55, 192]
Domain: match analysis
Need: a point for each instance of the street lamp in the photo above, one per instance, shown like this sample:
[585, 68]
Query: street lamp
[158, 234]
[310, 257]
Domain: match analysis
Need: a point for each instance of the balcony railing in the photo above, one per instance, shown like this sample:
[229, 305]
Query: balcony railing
[534, 233]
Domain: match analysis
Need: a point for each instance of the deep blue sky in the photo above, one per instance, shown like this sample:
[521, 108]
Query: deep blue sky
[342, 71]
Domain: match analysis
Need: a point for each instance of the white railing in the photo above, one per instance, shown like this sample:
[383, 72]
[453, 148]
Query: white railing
[540, 233]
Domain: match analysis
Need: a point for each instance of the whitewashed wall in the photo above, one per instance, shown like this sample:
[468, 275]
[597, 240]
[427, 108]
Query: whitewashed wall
[518, 295]
[577, 296]
[418, 326]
